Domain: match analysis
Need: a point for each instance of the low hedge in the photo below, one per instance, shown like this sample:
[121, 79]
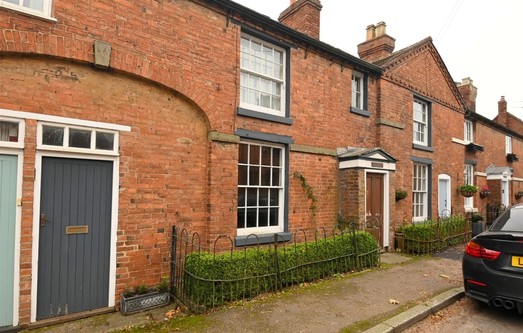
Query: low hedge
[434, 235]
[211, 280]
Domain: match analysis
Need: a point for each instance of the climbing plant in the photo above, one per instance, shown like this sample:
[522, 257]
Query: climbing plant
[308, 190]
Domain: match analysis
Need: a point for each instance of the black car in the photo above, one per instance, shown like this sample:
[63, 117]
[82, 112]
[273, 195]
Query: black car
[493, 262]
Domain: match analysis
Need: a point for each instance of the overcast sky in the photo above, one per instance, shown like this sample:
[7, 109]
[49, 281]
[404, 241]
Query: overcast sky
[480, 39]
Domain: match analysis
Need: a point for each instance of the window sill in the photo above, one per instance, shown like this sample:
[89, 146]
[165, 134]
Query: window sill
[261, 239]
[425, 148]
[264, 116]
[28, 12]
[360, 112]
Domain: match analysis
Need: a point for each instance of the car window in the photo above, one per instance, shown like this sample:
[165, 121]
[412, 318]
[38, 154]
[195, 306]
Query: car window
[511, 220]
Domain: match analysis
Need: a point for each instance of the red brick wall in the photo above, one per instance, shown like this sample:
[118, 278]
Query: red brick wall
[172, 84]
[163, 160]
[493, 141]
[421, 75]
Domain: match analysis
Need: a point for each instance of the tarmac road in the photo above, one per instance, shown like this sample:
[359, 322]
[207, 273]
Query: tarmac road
[468, 315]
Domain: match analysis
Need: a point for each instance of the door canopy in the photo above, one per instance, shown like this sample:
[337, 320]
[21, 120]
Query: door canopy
[365, 158]
[498, 173]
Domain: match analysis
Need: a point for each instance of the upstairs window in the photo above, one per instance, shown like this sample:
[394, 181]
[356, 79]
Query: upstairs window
[420, 129]
[357, 90]
[262, 77]
[40, 8]
[469, 134]
[508, 145]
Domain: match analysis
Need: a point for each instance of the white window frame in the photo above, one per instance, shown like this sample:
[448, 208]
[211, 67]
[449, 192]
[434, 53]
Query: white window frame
[281, 112]
[420, 126]
[420, 201]
[44, 13]
[21, 133]
[65, 145]
[281, 191]
[468, 131]
[358, 90]
[468, 203]
[508, 145]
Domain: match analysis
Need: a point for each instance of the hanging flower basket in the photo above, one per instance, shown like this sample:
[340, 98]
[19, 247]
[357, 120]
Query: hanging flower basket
[485, 192]
[468, 190]
[400, 194]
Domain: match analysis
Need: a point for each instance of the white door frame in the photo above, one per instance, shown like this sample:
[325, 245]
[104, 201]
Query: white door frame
[448, 182]
[36, 220]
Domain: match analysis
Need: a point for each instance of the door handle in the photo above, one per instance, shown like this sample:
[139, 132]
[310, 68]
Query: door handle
[43, 220]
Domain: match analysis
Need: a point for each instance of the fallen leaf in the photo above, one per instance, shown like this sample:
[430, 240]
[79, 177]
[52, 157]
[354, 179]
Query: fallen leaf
[171, 313]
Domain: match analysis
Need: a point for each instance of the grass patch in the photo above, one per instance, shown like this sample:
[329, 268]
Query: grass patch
[196, 323]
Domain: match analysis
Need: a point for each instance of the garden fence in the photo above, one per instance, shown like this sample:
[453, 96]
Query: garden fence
[203, 279]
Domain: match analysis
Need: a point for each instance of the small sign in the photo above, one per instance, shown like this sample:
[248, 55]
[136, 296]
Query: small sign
[376, 165]
[76, 229]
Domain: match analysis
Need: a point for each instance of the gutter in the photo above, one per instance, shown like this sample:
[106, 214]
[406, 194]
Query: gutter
[273, 25]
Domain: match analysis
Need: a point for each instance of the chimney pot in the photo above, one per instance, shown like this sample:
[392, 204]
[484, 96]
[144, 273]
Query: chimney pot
[371, 32]
[378, 45]
[381, 29]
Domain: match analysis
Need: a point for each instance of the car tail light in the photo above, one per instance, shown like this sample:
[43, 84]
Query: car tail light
[475, 250]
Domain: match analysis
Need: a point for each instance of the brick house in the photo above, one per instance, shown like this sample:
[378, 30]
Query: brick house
[492, 155]
[203, 114]
[420, 112]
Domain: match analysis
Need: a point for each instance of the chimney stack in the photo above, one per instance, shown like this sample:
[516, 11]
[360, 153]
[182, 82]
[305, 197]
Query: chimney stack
[502, 106]
[378, 45]
[303, 16]
[469, 93]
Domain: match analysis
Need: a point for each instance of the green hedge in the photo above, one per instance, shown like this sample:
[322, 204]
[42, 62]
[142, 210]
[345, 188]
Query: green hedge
[211, 280]
[434, 235]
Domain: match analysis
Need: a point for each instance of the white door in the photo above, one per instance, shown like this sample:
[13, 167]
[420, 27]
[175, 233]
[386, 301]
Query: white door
[444, 196]
[505, 197]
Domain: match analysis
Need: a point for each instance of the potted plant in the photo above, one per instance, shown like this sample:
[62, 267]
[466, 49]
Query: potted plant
[477, 224]
[141, 297]
[401, 194]
[468, 190]
[519, 195]
[485, 192]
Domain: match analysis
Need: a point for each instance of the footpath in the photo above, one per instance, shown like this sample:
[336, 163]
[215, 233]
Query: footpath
[401, 292]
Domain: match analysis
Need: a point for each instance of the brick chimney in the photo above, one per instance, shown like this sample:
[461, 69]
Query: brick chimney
[378, 45]
[469, 93]
[502, 106]
[303, 16]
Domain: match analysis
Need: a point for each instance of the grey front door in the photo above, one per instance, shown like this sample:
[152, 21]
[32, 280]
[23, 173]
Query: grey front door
[8, 171]
[75, 228]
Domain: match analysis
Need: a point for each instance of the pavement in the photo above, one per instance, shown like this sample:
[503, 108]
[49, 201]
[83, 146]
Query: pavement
[402, 291]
